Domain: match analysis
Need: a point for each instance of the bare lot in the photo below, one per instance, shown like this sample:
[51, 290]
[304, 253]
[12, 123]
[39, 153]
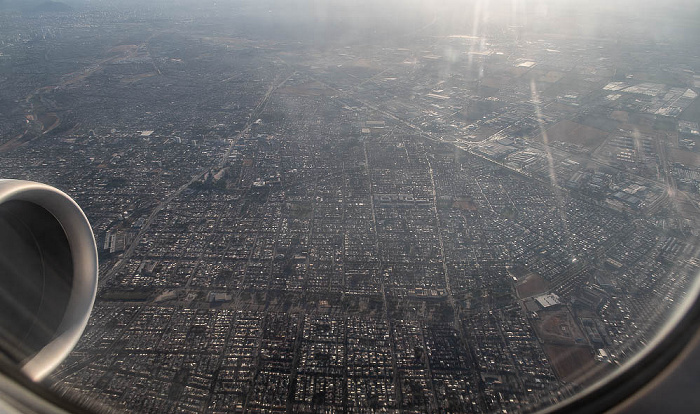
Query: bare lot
[569, 131]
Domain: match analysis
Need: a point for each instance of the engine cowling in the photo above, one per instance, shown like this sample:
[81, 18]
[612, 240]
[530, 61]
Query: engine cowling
[48, 275]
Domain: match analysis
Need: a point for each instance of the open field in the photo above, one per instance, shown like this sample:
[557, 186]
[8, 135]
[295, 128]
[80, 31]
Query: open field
[620, 116]
[559, 326]
[464, 204]
[572, 132]
[687, 158]
[49, 121]
[532, 285]
[571, 363]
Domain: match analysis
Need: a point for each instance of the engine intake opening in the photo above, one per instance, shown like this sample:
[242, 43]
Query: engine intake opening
[36, 278]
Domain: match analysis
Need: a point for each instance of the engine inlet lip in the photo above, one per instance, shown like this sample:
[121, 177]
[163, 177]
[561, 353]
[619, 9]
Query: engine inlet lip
[85, 266]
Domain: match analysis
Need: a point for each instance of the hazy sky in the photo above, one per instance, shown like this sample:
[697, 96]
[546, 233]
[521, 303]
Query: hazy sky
[632, 20]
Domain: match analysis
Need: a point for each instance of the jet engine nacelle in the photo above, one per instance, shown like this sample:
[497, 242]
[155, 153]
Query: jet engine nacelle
[48, 275]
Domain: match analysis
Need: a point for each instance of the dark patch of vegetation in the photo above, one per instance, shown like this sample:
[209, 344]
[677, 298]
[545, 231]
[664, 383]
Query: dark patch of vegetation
[126, 295]
[300, 210]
